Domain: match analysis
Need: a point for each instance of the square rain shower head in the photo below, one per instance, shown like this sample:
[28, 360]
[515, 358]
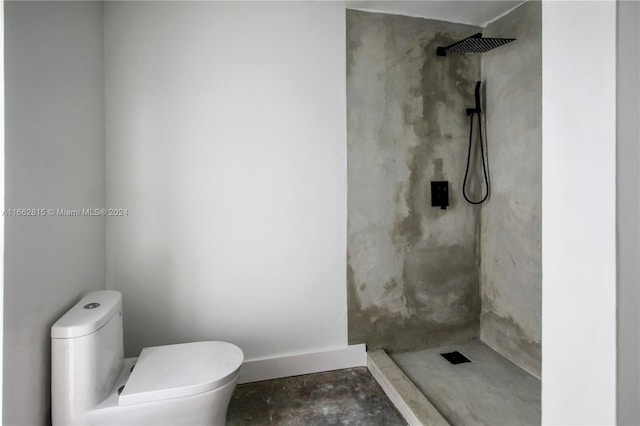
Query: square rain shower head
[474, 44]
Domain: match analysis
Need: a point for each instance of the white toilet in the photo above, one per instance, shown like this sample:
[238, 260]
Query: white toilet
[92, 383]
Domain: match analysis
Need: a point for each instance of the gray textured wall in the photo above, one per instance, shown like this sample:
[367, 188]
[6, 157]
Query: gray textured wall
[54, 150]
[628, 213]
[511, 275]
[412, 268]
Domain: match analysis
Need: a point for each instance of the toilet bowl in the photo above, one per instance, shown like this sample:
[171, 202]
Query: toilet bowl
[93, 384]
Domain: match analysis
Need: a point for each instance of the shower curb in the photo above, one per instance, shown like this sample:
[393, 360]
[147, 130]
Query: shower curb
[416, 409]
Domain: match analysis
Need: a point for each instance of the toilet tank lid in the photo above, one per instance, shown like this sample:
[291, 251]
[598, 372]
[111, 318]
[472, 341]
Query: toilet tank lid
[174, 371]
[87, 316]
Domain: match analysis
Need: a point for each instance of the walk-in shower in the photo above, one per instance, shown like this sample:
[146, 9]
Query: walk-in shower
[449, 291]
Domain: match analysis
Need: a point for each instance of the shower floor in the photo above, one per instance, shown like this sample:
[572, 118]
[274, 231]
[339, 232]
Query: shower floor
[490, 390]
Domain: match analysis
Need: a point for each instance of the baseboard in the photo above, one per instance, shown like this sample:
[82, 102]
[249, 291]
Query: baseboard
[296, 365]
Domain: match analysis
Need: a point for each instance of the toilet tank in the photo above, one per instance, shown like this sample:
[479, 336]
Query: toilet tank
[86, 355]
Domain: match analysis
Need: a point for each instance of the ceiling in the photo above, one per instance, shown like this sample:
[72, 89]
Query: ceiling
[474, 12]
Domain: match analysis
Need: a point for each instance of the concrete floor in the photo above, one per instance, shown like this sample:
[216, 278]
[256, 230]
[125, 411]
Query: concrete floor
[490, 390]
[342, 397]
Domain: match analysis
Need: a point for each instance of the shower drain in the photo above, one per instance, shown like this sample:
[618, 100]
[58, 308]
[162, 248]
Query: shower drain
[455, 357]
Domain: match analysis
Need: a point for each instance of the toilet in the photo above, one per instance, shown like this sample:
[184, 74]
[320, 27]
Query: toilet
[93, 384]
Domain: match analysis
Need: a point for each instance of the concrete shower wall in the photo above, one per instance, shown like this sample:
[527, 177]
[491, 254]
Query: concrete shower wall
[412, 269]
[511, 233]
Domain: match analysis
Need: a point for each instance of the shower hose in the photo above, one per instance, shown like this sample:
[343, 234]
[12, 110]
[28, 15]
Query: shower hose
[484, 166]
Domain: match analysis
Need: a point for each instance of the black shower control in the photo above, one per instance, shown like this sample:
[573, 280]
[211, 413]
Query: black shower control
[440, 194]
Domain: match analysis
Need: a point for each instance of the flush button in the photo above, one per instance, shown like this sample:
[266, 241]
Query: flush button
[91, 305]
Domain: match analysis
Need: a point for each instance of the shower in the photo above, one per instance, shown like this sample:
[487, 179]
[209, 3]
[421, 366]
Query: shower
[448, 286]
[475, 44]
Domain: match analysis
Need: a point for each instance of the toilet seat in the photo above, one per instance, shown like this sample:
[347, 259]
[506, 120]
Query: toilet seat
[174, 371]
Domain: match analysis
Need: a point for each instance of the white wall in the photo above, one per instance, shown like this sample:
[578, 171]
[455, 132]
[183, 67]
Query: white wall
[226, 141]
[628, 212]
[578, 219]
[54, 159]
